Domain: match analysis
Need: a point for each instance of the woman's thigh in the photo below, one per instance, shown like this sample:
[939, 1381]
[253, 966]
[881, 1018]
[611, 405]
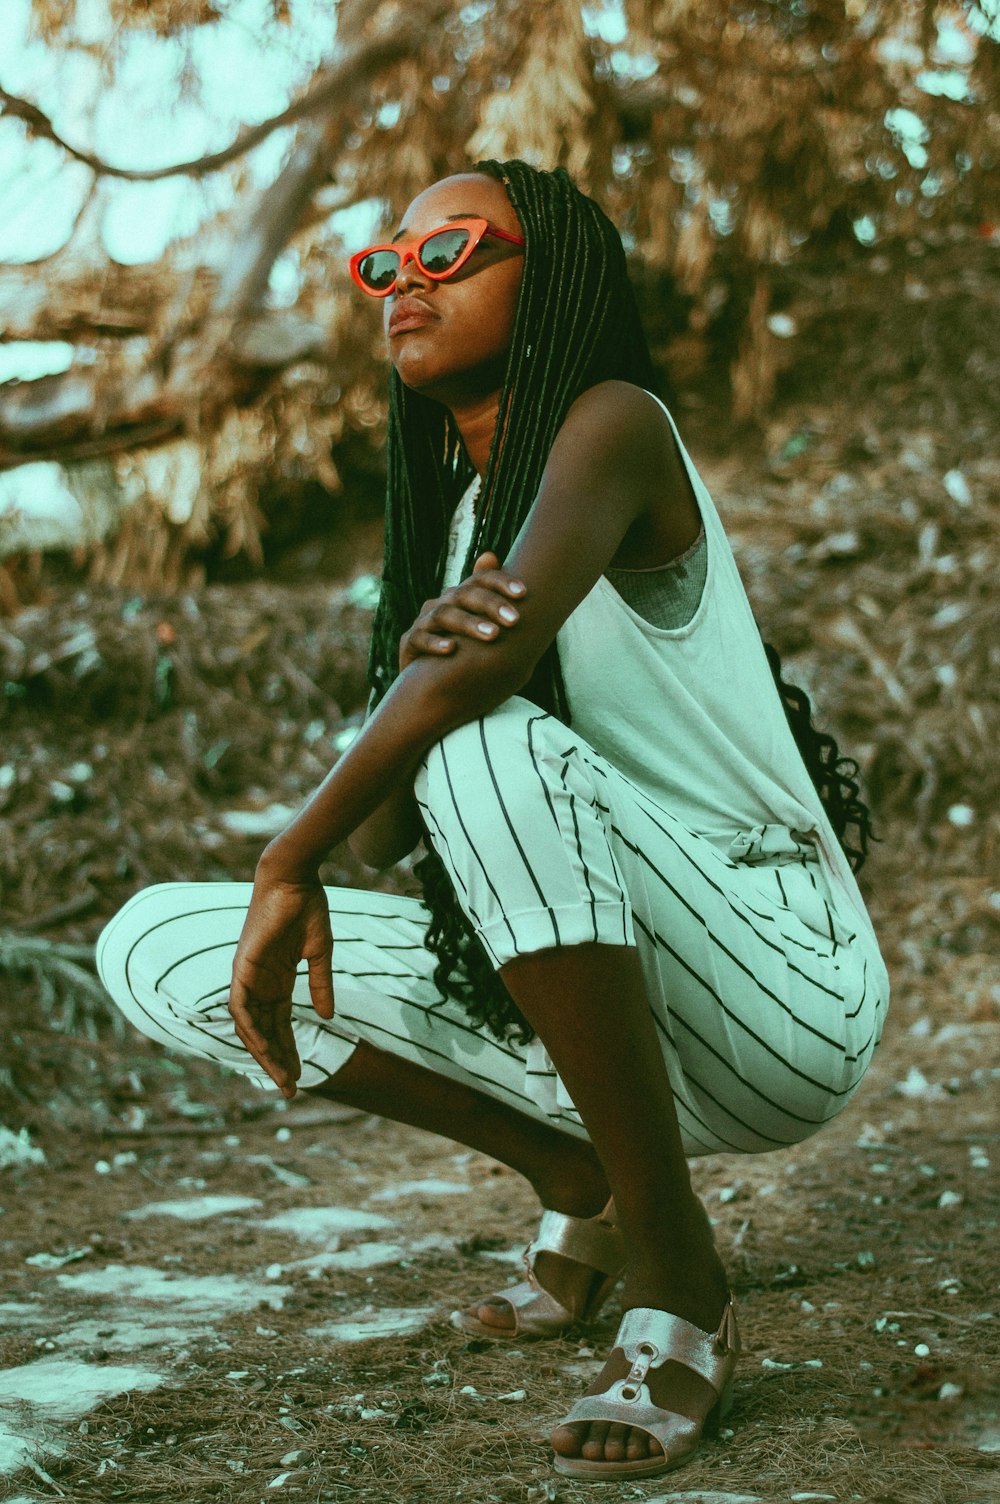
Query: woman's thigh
[166, 959]
[766, 1021]
[767, 1006]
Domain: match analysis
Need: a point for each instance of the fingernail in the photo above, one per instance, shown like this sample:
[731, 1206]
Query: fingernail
[516, 588]
[486, 628]
[507, 613]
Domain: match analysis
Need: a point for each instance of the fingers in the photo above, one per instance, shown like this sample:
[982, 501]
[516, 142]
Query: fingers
[479, 608]
[470, 612]
[486, 571]
[321, 984]
[266, 1031]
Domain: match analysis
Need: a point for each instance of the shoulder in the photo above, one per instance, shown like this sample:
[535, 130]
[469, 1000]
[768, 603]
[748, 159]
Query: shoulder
[624, 440]
[620, 405]
[620, 420]
[623, 423]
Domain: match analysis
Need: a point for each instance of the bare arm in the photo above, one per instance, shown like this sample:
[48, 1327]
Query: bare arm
[596, 482]
[481, 608]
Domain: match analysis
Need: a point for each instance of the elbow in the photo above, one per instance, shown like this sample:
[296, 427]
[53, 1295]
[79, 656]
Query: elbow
[471, 689]
[381, 854]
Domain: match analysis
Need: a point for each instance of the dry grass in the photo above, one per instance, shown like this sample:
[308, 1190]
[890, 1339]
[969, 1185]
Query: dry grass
[826, 1252]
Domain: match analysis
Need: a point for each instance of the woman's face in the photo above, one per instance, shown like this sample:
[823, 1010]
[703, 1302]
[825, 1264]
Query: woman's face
[456, 349]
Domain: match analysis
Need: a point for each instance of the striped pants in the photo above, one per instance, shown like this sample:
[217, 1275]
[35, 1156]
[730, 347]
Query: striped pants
[767, 1003]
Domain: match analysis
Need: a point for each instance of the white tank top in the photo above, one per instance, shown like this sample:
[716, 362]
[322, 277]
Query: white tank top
[692, 716]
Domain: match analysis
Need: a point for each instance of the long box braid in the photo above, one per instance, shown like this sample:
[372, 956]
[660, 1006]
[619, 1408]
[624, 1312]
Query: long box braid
[576, 323]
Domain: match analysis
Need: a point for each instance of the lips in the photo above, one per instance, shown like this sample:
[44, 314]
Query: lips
[410, 313]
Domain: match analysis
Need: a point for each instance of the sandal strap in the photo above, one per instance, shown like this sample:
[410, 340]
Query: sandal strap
[533, 1305]
[649, 1338]
[594, 1241]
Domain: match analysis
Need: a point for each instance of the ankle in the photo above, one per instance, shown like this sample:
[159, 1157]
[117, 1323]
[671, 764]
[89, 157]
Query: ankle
[579, 1191]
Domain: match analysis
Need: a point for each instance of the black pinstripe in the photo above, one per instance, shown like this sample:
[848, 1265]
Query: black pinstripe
[514, 835]
[698, 936]
[458, 816]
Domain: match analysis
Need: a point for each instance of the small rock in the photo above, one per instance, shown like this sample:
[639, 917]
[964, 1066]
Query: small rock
[957, 488]
[950, 1391]
[948, 1199]
[915, 1085]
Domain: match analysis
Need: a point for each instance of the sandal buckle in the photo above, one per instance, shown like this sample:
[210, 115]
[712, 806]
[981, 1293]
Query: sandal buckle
[646, 1355]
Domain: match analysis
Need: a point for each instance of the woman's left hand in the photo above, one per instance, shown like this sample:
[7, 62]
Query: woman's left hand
[287, 922]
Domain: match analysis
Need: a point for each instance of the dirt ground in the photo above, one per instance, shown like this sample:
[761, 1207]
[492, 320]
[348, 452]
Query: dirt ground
[263, 1293]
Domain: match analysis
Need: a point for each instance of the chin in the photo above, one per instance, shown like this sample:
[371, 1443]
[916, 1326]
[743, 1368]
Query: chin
[427, 377]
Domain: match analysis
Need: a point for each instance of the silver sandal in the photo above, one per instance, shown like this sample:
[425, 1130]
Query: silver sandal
[649, 1338]
[594, 1241]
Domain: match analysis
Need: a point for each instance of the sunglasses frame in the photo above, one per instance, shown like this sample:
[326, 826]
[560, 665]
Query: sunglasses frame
[409, 250]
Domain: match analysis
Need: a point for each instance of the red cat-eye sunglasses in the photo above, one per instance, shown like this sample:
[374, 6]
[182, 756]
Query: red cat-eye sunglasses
[438, 254]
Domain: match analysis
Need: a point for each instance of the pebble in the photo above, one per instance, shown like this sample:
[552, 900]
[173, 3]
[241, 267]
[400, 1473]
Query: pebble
[949, 1199]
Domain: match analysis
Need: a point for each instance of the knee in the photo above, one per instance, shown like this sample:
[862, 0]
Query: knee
[119, 937]
[493, 786]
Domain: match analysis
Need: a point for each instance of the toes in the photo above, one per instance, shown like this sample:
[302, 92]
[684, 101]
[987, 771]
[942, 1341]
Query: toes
[494, 1313]
[594, 1442]
[602, 1441]
[567, 1440]
[616, 1442]
[585, 1439]
[641, 1445]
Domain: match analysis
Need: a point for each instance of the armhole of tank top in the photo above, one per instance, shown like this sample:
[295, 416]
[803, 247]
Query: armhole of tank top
[694, 479]
[697, 485]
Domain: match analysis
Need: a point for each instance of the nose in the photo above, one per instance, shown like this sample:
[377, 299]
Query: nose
[410, 276]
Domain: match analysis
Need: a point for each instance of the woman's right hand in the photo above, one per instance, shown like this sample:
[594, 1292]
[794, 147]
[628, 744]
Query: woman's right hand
[480, 607]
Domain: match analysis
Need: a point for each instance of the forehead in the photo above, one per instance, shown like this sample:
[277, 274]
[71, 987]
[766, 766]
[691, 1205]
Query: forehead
[471, 193]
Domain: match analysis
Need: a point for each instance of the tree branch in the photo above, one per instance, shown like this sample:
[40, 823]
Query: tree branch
[360, 63]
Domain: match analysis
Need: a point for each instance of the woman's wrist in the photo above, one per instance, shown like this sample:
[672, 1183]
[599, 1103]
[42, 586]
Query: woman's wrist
[280, 862]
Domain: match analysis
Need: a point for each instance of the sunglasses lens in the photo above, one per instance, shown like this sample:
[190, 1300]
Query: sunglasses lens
[443, 250]
[378, 271]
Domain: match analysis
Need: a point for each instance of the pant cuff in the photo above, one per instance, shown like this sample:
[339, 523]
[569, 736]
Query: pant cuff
[513, 935]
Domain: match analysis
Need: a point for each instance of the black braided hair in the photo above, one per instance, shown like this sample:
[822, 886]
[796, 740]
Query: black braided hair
[835, 777]
[576, 324]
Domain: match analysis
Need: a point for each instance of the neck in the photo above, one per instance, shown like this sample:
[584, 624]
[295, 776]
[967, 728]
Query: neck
[476, 421]
[475, 418]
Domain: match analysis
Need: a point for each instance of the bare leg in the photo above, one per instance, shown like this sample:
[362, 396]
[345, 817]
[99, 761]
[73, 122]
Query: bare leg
[588, 1005]
[563, 1169]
